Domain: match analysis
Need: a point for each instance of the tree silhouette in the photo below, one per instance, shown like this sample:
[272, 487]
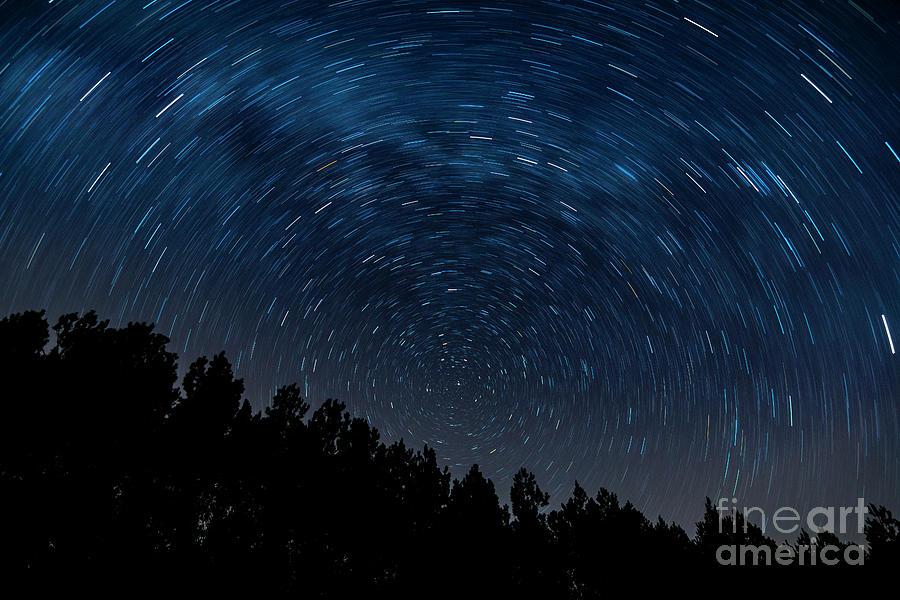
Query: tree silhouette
[535, 562]
[882, 537]
[112, 472]
[730, 529]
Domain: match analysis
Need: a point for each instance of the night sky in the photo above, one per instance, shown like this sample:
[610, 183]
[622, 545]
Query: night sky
[651, 246]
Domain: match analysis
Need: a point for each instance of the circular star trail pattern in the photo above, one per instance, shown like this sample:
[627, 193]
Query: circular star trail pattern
[649, 246]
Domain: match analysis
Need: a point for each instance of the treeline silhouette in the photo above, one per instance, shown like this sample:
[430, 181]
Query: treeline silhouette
[109, 471]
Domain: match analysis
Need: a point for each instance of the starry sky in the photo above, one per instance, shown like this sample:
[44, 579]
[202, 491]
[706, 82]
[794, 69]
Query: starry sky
[651, 246]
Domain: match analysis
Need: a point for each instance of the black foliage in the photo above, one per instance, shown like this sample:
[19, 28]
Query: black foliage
[110, 473]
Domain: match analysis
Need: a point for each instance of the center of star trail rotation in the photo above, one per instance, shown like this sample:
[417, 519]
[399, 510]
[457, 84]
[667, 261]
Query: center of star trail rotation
[649, 246]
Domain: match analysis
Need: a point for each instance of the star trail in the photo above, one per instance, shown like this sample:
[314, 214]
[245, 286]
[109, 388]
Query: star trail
[651, 246]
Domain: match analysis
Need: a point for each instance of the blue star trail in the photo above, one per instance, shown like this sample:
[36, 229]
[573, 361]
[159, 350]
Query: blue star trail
[651, 246]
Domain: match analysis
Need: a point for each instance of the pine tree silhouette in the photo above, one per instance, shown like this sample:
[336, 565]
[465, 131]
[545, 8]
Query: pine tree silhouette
[113, 474]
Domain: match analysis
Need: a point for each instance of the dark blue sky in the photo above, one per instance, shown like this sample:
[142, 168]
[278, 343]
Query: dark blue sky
[653, 246]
